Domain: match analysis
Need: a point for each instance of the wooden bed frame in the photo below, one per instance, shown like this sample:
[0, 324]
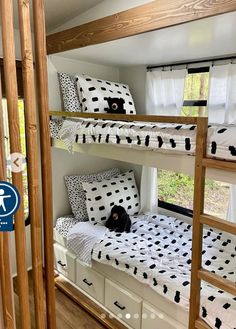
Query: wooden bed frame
[155, 15]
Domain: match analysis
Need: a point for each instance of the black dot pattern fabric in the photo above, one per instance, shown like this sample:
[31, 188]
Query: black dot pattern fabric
[157, 252]
[70, 96]
[149, 136]
[94, 92]
[102, 196]
[76, 193]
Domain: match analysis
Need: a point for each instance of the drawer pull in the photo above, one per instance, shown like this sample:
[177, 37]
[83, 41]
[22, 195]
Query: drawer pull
[121, 307]
[60, 263]
[88, 283]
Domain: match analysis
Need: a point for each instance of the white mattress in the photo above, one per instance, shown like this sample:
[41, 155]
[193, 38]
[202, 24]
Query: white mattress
[157, 253]
[221, 142]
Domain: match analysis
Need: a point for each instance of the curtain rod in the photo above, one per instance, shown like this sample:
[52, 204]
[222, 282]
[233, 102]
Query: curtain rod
[213, 60]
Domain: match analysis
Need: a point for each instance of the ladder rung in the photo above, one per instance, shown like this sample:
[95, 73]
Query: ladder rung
[218, 223]
[216, 280]
[200, 324]
[219, 164]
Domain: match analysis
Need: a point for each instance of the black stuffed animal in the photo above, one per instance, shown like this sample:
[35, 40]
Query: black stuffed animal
[119, 220]
[116, 105]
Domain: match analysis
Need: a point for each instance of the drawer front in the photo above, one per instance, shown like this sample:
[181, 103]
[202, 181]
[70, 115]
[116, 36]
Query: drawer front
[64, 261]
[123, 303]
[90, 281]
[152, 318]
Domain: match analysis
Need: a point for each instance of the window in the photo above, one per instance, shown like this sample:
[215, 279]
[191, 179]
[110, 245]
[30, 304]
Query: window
[196, 92]
[176, 189]
[23, 147]
[22, 127]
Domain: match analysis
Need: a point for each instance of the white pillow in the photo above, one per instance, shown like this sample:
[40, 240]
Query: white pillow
[76, 193]
[102, 196]
[94, 92]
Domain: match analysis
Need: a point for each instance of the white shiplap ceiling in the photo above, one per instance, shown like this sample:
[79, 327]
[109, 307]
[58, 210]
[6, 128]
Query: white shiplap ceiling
[57, 12]
[206, 38]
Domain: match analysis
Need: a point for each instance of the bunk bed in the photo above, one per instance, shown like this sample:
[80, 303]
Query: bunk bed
[87, 133]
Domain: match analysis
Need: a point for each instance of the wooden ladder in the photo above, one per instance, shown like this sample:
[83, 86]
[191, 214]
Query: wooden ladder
[198, 273]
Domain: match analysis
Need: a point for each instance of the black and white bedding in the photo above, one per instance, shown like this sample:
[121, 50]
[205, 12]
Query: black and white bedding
[157, 252]
[148, 136]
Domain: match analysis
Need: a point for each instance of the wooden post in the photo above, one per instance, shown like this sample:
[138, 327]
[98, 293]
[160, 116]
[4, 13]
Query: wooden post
[32, 160]
[198, 208]
[6, 285]
[6, 9]
[41, 69]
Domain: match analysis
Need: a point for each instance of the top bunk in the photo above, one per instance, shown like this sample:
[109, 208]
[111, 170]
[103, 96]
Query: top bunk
[172, 138]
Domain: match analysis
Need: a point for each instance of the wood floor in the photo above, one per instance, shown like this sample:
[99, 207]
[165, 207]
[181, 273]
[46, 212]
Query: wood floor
[69, 314]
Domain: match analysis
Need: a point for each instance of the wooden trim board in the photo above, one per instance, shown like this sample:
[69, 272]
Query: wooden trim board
[86, 303]
[152, 16]
[127, 117]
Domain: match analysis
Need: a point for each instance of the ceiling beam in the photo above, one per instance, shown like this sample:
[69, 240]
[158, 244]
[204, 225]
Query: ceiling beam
[152, 16]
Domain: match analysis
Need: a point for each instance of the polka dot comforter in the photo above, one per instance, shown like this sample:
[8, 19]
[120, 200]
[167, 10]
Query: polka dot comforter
[145, 135]
[157, 252]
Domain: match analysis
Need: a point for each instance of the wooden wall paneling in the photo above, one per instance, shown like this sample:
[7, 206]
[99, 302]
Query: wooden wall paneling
[6, 9]
[46, 168]
[32, 160]
[151, 16]
[198, 208]
[6, 284]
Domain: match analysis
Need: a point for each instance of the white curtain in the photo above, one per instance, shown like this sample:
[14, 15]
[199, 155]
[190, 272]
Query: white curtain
[222, 94]
[148, 190]
[222, 109]
[165, 92]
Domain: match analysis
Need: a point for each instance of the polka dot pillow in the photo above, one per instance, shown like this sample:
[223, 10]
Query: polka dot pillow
[76, 193]
[94, 93]
[102, 196]
[69, 92]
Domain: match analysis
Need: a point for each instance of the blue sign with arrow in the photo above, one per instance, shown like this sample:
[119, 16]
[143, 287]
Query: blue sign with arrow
[9, 204]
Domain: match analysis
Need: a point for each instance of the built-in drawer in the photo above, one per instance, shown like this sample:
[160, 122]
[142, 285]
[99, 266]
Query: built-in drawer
[152, 318]
[64, 261]
[124, 304]
[90, 281]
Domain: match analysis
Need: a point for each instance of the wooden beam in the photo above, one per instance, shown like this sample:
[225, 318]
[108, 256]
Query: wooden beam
[198, 208]
[46, 167]
[152, 16]
[33, 160]
[8, 42]
[126, 117]
[6, 284]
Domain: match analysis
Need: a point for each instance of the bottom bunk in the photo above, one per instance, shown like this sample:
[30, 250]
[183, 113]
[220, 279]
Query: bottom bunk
[147, 271]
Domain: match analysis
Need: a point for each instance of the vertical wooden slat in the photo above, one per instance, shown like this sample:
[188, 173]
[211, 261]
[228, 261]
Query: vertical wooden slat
[32, 160]
[6, 10]
[41, 68]
[5, 266]
[198, 208]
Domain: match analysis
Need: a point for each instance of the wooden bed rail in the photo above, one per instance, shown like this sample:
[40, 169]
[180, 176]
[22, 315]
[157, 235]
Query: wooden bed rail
[127, 117]
[6, 284]
[6, 9]
[148, 17]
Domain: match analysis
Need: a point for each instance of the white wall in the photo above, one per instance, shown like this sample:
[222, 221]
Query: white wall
[135, 77]
[105, 8]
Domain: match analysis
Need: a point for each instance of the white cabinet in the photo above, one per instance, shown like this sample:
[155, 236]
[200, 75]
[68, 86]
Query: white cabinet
[123, 304]
[152, 318]
[90, 281]
[64, 262]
